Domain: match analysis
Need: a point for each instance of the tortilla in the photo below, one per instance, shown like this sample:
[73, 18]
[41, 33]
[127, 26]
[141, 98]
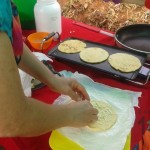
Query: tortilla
[71, 46]
[124, 62]
[107, 116]
[94, 55]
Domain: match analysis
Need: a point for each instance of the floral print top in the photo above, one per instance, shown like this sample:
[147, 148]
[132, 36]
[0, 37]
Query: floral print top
[9, 23]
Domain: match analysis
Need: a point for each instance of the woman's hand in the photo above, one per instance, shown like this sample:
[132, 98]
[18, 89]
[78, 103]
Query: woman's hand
[81, 113]
[72, 88]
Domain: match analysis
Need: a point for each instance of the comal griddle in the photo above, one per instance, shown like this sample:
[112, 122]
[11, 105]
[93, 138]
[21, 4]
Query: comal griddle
[105, 66]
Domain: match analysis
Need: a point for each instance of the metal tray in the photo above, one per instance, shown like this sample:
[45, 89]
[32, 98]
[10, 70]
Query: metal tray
[104, 66]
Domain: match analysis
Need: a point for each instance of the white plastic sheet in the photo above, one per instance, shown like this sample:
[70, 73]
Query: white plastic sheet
[122, 101]
[26, 82]
[26, 78]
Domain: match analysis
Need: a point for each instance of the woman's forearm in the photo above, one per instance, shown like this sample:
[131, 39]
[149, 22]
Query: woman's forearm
[19, 115]
[34, 119]
[31, 65]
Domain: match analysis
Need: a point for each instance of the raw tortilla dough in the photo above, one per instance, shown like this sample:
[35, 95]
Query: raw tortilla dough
[124, 62]
[71, 46]
[94, 55]
[107, 116]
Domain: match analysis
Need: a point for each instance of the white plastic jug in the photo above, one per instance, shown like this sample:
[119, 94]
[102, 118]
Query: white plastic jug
[47, 15]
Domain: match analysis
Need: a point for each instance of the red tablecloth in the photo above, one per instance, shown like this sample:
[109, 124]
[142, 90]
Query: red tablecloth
[47, 96]
[147, 3]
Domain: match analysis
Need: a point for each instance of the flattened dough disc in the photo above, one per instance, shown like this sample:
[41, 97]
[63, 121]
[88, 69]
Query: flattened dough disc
[107, 116]
[71, 46]
[94, 55]
[124, 62]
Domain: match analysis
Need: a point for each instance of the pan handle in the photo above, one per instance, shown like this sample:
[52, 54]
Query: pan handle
[55, 36]
[140, 83]
[107, 33]
[98, 30]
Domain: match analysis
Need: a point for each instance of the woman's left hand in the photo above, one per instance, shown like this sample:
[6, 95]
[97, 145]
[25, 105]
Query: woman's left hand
[72, 88]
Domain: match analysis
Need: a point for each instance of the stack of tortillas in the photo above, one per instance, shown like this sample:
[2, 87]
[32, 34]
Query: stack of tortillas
[124, 62]
[71, 46]
[107, 116]
[94, 55]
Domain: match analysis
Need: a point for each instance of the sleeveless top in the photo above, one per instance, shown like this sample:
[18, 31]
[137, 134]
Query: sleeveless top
[9, 23]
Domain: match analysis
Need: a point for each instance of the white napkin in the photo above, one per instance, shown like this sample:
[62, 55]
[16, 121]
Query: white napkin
[122, 101]
[26, 78]
[26, 82]
[42, 56]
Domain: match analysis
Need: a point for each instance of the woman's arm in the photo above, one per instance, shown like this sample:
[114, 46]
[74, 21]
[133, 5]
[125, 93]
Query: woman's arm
[22, 116]
[30, 64]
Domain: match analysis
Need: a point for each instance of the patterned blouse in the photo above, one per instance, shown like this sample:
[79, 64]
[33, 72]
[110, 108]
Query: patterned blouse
[9, 24]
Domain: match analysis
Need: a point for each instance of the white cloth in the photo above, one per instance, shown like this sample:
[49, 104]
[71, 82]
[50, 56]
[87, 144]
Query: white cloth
[26, 79]
[122, 101]
[26, 82]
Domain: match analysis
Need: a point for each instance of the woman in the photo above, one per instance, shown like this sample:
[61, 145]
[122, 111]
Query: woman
[23, 116]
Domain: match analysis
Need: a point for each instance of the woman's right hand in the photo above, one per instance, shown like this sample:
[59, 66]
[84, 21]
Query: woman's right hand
[81, 113]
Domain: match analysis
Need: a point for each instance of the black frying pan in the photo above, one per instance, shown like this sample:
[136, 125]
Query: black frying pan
[134, 37]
